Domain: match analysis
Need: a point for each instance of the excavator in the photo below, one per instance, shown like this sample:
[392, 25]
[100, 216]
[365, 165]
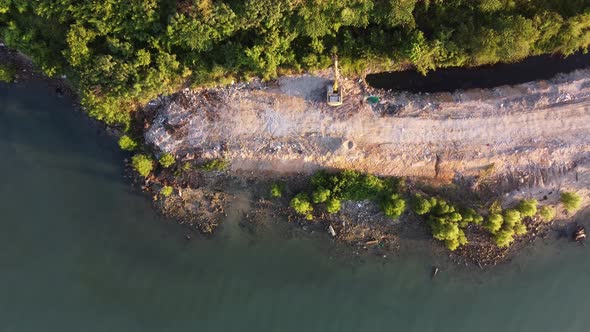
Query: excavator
[334, 91]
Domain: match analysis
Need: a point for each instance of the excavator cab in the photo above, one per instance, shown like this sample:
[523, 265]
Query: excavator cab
[334, 91]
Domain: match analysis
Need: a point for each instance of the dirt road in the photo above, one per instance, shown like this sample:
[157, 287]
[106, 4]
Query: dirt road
[286, 127]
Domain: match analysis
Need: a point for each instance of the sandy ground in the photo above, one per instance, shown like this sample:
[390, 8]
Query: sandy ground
[539, 131]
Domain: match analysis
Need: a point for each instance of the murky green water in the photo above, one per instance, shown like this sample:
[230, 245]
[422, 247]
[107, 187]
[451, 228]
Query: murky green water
[81, 251]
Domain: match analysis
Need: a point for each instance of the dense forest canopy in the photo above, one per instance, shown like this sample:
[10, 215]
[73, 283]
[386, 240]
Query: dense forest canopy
[119, 53]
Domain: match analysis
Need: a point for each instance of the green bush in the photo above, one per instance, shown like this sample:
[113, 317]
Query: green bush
[215, 165]
[276, 190]
[333, 205]
[321, 179]
[471, 216]
[320, 195]
[496, 207]
[547, 213]
[302, 205]
[167, 160]
[449, 232]
[504, 238]
[511, 218]
[166, 191]
[527, 207]
[520, 229]
[394, 206]
[126, 143]
[356, 186]
[143, 164]
[494, 223]
[504, 226]
[7, 73]
[446, 222]
[420, 205]
[571, 201]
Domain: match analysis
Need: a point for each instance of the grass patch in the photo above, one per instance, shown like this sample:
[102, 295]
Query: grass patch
[215, 165]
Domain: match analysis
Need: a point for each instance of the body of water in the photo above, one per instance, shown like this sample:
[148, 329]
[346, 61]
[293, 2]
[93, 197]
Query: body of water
[82, 251]
[541, 67]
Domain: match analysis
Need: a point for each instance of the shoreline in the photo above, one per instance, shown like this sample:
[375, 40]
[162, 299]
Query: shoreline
[210, 192]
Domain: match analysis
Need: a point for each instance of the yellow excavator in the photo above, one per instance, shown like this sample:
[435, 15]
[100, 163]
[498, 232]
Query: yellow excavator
[334, 91]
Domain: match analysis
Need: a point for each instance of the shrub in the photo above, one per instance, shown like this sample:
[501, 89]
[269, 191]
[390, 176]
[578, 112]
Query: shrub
[571, 201]
[420, 205]
[547, 213]
[276, 190]
[355, 186]
[143, 164]
[511, 218]
[445, 220]
[302, 205]
[394, 206]
[527, 207]
[320, 195]
[504, 238]
[496, 207]
[215, 165]
[166, 191]
[520, 229]
[321, 179]
[126, 143]
[494, 223]
[459, 240]
[167, 160]
[333, 205]
[7, 73]
[471, 216]
[449, 232]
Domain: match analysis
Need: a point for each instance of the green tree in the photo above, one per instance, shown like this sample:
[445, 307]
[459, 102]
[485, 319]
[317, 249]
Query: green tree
[547, 213]
[527, 207]
[420, 205]
[571, 201]
[511, 218]
[127, 143]
[143, 164]
[504, 238]
[520, 229]
[320, 195]
[302, 205]
[494, 223]
[471, 216]
[449, 232]
[333, 205]
[394, 206]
